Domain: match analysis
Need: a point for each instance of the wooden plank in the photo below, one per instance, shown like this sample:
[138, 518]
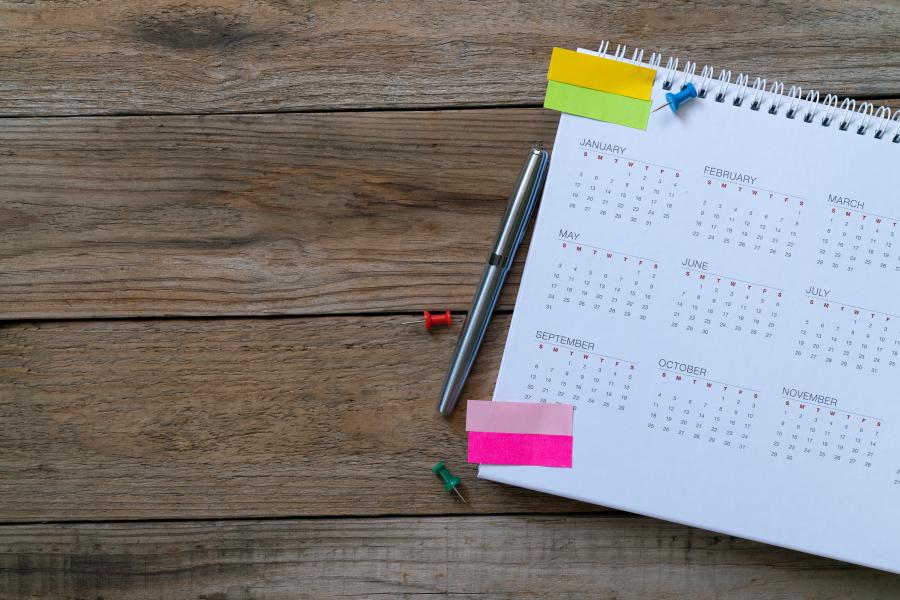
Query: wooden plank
[251, 215]
[237, 418]
[471, 557]
[133, 56]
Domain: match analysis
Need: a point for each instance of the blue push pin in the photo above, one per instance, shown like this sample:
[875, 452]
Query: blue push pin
[674, 101]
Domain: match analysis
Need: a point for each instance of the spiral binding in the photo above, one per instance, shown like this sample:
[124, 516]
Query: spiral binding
[862, 118]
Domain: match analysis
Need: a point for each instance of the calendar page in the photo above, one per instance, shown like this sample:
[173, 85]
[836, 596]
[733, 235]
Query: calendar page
[719, 298]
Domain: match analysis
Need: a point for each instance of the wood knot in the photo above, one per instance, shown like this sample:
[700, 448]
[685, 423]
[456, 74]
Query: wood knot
[186, 27]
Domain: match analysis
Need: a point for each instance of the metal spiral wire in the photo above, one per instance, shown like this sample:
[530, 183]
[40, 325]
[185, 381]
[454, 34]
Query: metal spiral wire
[860, 118]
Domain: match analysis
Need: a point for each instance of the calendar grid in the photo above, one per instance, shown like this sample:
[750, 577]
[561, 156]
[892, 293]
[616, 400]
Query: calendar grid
[722, 383]
[848, 211]
[832, 408]
[761, 189]
[855, 239]
[542, 346]
[858, 309]
[618, 157]
[703, 274]
[565, 244]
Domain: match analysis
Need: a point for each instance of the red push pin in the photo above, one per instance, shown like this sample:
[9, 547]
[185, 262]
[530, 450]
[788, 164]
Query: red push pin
[434, 320]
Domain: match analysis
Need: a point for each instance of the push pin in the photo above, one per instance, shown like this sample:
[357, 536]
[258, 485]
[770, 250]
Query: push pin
[674, 101]
[450, 481]
[433, 320]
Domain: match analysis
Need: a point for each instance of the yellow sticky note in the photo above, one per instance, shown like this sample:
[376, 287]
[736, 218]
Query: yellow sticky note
[600, 73]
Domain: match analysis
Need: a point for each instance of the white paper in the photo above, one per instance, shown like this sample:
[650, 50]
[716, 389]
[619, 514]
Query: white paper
[783, 425]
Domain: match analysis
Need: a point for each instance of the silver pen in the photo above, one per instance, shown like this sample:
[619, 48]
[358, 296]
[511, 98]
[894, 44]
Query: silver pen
[512, 228]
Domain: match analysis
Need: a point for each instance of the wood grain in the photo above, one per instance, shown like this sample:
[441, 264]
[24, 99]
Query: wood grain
[482, 557]
[255, 215]
[250, 215]
[315, 214]
[237, 418]
[210, 56]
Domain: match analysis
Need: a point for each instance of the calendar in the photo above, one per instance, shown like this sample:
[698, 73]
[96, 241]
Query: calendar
[719, 298]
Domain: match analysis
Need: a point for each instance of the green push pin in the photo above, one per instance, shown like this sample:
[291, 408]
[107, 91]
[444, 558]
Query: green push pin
[450, 481]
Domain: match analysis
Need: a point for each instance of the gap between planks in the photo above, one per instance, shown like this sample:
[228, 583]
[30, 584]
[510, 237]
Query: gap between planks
[889, 99]
[224, 418]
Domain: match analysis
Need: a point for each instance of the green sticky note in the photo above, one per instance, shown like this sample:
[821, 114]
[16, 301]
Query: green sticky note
[598, 105]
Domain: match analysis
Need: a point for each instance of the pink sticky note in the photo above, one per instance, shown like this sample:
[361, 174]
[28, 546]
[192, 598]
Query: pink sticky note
[519, 417]
[520, 449]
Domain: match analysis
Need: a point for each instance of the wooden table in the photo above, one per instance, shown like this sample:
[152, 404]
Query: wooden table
[213, 217]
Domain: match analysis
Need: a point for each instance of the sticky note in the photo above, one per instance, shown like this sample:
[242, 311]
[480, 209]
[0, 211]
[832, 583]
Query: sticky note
[520, 449]
[519, 417]
[520, 433]
[602, 106]
[601, 74]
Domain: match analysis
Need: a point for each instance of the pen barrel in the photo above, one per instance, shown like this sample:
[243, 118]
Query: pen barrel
[521, 203]
[509, 235]
[472, 334]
